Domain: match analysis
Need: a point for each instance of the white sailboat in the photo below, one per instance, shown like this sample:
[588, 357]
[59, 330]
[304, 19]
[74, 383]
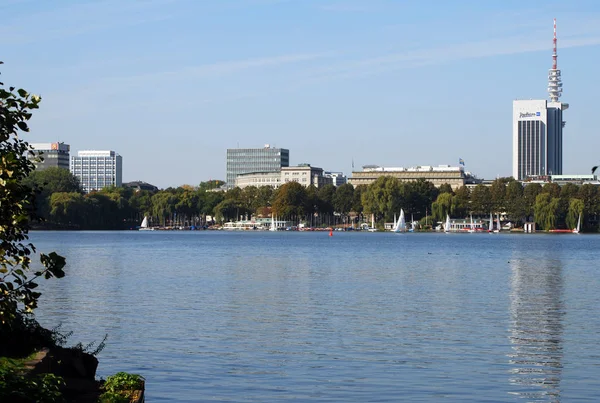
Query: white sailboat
[273, 226]
[401, 224]
[144, 226]
[372, 229]
[491, 224]
[498, 225]
[472, 227]
[576, 230]
[447, 224]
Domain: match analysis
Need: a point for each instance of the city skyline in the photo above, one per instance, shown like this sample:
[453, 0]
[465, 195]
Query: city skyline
[335, 82]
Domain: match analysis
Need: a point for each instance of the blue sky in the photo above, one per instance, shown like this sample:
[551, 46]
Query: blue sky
[171, 84]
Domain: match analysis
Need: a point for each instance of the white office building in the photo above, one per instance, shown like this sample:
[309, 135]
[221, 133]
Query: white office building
[97, 169]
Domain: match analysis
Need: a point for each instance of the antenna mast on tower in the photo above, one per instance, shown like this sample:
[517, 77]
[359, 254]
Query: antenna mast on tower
[554, 79]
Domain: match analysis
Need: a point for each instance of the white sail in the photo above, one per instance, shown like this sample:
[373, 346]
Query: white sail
[576, 230]
[498, 225]
[401, 223]
[273, 226]
[447, 225]
[145, 226]
[491, 225]
[471, 227]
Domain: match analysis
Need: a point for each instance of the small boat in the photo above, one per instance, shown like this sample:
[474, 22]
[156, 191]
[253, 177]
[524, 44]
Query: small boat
[491, 224]
[472, 227]
[447, 224]
[498, 225]
[273, 225]
[578, 228]
[400, 224]
[144, 225]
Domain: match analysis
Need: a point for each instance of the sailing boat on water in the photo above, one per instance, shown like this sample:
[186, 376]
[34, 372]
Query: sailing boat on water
[498, 225]
[472, 227]
[273, 226]
[491, 224]
[447, 224]
[400, 224]
[144, 226]
[578, 228]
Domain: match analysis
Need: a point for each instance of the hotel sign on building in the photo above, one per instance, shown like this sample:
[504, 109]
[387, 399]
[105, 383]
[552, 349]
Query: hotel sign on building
[537, 138]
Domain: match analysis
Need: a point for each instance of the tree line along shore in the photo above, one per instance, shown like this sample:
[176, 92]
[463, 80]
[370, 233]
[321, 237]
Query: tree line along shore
[63, 205]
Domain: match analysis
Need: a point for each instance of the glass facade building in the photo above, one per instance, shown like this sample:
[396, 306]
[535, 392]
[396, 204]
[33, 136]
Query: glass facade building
[97, 169]
[248, 160]
[537, 138]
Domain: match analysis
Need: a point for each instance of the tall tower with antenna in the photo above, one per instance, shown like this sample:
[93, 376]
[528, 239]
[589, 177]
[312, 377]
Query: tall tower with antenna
[538, 129]
[554, 79]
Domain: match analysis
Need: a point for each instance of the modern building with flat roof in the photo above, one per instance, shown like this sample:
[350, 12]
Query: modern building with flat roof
[537, 138]
[97, 169]
[52, 154]
[456, 177]
[247, 160]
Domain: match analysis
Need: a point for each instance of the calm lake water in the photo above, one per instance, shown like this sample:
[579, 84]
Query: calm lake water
[357, 317]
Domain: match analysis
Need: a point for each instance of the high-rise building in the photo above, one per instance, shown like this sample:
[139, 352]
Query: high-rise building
[52, 154]
[97, 169]
[537, 138]
[246, 160]
[538, 130]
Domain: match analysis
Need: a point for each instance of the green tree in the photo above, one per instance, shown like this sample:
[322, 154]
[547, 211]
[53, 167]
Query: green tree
[326, 199]
[418, 196]
[227, 210]
[498, 194]
[383, 198]
[357, 205]
[553, 189]
[481, 200]
[530, 193]
[67, 208]
[290, 201]
[343, 199]
[211, 184]
[18, 297]
[443, 206]
[576, 207]
[589, 194]
[49, 181]
[515, 207]
[265, 196]
[546, 210]
[163, 206]
[446, 188]
[461, 202]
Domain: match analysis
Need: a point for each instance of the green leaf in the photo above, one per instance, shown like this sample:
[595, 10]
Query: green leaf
[23, 126]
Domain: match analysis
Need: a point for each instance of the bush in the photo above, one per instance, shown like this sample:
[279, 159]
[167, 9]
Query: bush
[121, 386]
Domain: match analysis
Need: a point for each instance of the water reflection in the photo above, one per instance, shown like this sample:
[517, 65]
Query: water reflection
[536, 329]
